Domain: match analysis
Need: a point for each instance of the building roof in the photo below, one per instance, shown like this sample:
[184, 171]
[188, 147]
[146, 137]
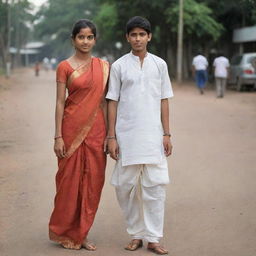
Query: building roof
[23, 51]
[34, 45]
[243, 35]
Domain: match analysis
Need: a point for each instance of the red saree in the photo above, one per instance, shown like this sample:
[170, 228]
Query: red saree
[80, 177]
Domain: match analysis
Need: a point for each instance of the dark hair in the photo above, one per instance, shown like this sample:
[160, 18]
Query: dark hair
[138, 22]
[199, 52]
[84, 23]
[220, 53]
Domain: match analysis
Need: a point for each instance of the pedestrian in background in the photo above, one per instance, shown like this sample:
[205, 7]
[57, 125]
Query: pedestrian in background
[80, 133]
[46, 63]
[221, 73]
[139, 136]
[37, 68]
[199, 69]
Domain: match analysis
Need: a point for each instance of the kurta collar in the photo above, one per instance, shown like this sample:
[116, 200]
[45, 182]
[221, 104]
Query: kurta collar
[137, 58]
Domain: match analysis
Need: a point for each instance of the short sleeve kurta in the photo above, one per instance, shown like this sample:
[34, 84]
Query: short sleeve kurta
[139, 91]
[200, 62]
[221, 64]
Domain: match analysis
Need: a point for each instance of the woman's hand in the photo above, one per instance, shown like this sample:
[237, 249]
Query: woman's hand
[167, 145]
[59, 148]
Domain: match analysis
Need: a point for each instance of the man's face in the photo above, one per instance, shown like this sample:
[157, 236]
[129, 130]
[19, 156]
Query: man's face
[138, 39]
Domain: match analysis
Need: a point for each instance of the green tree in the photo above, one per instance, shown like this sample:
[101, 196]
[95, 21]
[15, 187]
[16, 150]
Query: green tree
[21, 26]
[4, 31]
[56, 20]
[232, 15]
[198, 20]
[15, 23]
[107, 20]
[201, 30]
[207, 25]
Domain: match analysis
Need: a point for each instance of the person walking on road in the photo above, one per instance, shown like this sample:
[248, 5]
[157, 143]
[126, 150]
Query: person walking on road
[139, 136]
[37, 68]
[199, 69]
[79, 138]
[221, 72]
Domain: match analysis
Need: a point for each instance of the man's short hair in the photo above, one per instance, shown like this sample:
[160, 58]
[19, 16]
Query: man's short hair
[220, 54]
[138, 22]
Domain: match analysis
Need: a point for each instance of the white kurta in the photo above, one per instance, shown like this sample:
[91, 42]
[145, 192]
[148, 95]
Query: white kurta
[200, 62]
[139, 91]
[221, 64]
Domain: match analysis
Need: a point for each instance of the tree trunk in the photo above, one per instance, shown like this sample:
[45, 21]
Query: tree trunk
[18, 36]
[185, 62]
[8, 42]
[171, 60]
[3, 50]
[190, 56]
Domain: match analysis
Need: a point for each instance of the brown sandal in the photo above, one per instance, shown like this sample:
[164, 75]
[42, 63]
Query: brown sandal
[158, 249]
[89, 246]
[134, 245]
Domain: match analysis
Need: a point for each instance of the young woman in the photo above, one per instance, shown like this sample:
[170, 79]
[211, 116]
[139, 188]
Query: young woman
[79, 139]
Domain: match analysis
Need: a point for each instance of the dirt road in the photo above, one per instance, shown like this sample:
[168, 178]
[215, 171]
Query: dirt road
[210, 208]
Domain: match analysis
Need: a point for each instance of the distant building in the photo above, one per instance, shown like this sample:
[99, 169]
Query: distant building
[29, 53]
[245, 38]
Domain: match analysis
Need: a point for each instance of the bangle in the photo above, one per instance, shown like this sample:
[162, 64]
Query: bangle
[57, 137]
[110, 137]
[167, 134]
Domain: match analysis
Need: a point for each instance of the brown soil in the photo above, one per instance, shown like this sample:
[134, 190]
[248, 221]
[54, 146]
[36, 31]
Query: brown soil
[210, 208]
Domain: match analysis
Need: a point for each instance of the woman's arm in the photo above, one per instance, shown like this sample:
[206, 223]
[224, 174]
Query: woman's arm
[59, 147]
[104, 106]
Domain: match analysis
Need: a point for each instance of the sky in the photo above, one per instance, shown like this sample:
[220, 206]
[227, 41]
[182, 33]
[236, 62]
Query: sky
[37, 2]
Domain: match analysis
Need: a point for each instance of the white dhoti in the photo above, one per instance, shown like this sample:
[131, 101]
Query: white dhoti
[140, 192]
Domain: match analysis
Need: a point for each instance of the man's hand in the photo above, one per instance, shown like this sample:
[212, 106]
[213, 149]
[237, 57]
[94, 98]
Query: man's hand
[167, 145]
[113, 148]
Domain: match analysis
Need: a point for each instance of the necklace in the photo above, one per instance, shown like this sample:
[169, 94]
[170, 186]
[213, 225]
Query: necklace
[78, 64]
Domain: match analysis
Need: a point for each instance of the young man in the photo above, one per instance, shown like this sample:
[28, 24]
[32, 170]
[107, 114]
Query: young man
[221, 70]
[139, 136]
[199, 69]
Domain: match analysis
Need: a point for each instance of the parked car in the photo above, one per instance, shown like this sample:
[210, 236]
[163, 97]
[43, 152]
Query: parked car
[243, 70]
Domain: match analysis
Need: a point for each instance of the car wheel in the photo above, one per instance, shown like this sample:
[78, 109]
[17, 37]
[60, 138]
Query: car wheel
[239, 85]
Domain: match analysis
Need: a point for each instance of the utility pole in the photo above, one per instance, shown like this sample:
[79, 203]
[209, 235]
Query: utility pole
[8, 43]
[180, 43]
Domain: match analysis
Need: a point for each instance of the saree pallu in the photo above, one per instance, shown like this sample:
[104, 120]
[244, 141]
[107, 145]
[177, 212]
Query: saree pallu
[81, 174]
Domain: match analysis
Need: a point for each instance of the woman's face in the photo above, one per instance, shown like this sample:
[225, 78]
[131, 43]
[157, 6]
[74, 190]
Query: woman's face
[84, 40]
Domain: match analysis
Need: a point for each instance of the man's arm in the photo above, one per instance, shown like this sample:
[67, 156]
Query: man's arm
[228, 72]
[193, 70]
[228, 69]
[165, 123]
[112, 143]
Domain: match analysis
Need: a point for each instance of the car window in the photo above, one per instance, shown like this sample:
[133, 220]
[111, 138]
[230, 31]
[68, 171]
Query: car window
[236, 60]
[252, 60]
